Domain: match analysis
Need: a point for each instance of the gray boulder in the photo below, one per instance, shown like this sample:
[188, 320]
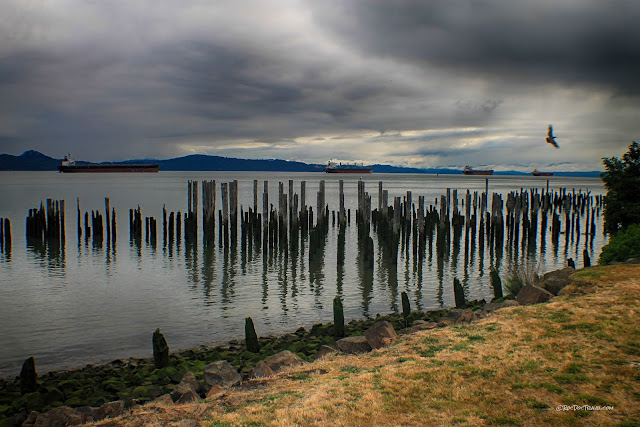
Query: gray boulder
[187, 384]
[555, 281]
[62, 416]
[284, 359]
[323, 351]
[418, 325]
[493, 306]
[354, 345]
[188, 397]
[261, 370]
[109, 410]
[221, 373]
[380, 335]
[531, 294]
[467, 316]
[164, 400]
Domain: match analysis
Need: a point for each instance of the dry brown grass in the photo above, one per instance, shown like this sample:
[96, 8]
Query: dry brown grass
[512, 368]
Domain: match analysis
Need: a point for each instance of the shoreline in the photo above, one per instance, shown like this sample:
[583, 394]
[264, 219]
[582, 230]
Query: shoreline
[136, 381]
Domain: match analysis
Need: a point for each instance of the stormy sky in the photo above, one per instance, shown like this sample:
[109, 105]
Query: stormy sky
[414, 83]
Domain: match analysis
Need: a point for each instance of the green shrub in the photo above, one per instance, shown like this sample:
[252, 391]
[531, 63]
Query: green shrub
[623, 245]
[525, 274]
[622, 181]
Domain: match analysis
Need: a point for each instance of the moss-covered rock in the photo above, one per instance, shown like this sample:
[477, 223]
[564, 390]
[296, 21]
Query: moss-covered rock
[114, 385]
[74, 401]
[52, 394]
[69, 386]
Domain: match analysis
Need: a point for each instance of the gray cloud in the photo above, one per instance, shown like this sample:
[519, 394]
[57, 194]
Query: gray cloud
[414, 83]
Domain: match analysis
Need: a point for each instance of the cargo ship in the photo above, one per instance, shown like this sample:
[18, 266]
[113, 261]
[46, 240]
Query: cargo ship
[333, 167]
[536, 172]
[468, 170]
[69, 166]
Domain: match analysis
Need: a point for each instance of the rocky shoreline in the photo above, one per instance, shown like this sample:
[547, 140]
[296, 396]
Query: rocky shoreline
[94, 392]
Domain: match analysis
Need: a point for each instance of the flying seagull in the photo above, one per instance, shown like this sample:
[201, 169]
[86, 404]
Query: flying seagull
[550, 138]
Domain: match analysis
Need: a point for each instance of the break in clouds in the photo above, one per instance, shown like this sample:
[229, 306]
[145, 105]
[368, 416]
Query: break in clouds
[424, 84]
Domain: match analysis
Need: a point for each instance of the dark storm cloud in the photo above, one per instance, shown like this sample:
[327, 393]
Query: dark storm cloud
[407, 82]
[567, 41]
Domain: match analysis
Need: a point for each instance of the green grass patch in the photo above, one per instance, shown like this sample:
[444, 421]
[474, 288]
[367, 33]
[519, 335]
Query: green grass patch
[431, 350]
[475, 338]
[350, 369]
[429, 340]
[303, 376]
[591, 400]
[460, 346]
[552, 388]
[529, 366]
[537, 404]
[559, 316]
[570, 378]
[504, 421]
[574, 368]
[582, 326]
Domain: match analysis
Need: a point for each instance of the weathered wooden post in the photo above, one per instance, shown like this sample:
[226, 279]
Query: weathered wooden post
[251, 338]
[406, 307]
[113, 227]
[79, 220]
[7, 236]
[29, 376]
[107, 211]
[458, 292]
[160, 350]
[587, 260]
[338, 316]
[496, 283]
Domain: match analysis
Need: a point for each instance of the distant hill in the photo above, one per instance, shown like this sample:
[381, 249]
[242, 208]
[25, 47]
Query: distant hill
[28, 161]
[32, 160]
[200, 162]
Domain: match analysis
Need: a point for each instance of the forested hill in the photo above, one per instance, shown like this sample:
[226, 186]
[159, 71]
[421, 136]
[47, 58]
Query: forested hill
[32, 160]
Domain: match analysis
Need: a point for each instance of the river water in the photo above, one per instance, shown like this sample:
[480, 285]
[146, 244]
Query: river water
[85, 304]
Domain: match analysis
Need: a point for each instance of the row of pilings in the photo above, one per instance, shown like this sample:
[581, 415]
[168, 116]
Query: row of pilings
[477, 219]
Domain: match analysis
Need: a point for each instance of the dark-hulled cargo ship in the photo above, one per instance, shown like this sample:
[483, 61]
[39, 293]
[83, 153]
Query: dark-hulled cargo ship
[536, 172]
[468, 170]
[69, 166]
[333, 167]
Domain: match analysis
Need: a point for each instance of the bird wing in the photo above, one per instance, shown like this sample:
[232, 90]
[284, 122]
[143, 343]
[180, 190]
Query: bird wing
[550, 132]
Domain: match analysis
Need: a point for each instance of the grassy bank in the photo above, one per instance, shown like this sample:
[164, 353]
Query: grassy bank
[514, 367]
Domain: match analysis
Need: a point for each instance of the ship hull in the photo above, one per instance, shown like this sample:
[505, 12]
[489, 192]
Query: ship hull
[108, 168]
[486, 172]
[351, 170]
[542, 174]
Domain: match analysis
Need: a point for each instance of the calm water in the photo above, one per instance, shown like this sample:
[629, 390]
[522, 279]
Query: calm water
[86, 305]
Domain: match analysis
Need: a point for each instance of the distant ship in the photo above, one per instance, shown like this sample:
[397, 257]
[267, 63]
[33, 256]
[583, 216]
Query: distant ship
[333, 167]
[536, 172]
[69, 166]
[469, 171]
